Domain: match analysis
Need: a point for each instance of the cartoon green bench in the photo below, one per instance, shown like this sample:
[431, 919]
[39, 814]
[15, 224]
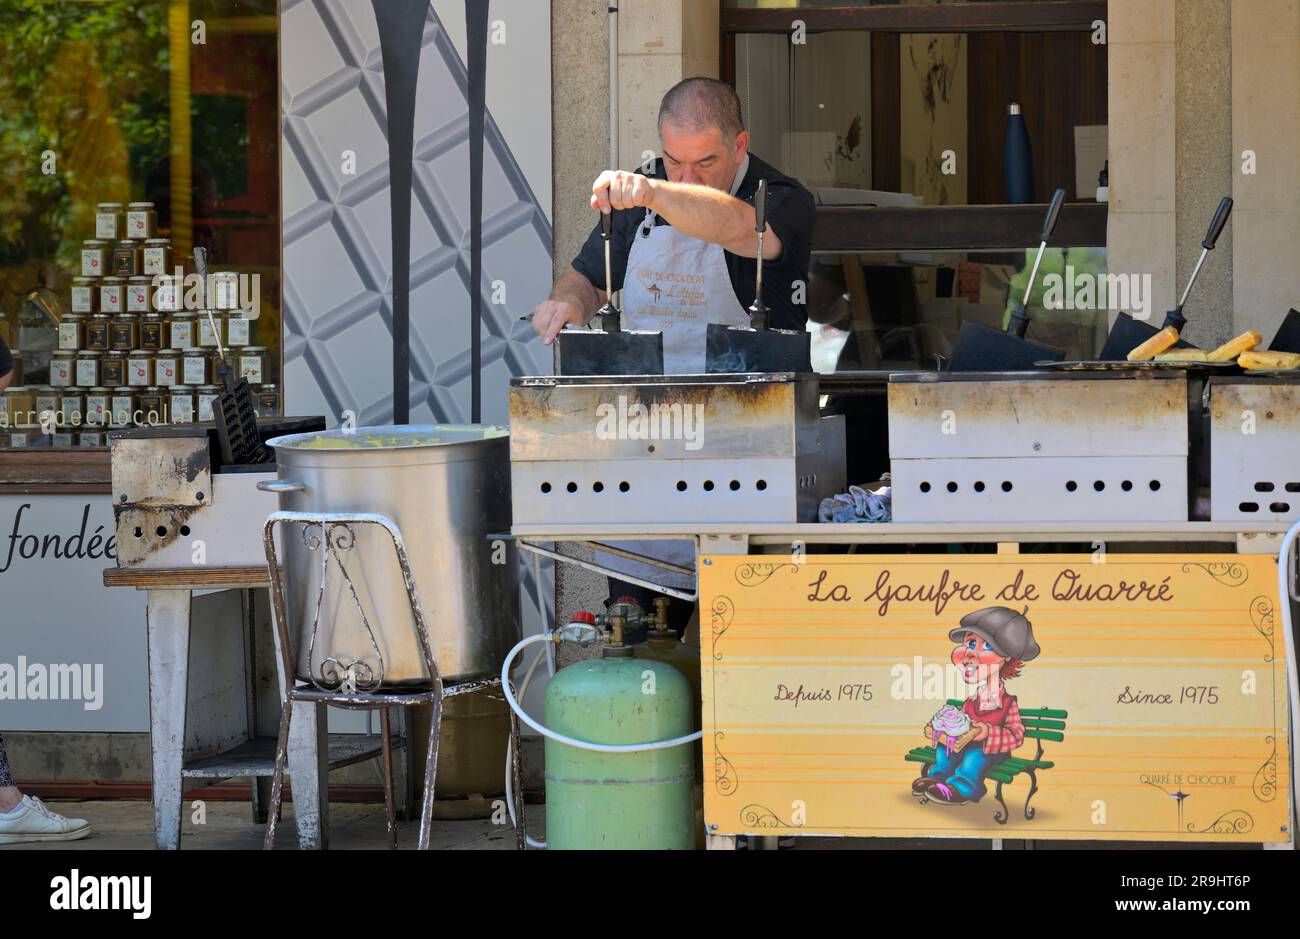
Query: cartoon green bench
[1042, 725]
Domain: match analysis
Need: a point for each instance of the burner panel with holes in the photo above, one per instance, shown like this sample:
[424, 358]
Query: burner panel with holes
[671, 449]
[176, 505]
[1028, 447]
[1254, 449]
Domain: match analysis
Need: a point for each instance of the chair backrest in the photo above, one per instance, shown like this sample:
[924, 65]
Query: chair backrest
[334, 534]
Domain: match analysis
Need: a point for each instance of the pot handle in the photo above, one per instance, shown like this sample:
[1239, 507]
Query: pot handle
[281, 485]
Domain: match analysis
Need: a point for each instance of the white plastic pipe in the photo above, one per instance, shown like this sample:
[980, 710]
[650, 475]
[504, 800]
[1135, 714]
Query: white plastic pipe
[573, 741]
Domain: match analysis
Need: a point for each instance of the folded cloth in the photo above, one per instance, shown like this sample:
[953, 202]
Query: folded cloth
[858, 505]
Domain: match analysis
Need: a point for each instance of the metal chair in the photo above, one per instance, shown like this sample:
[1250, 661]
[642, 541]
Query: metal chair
[335, 537]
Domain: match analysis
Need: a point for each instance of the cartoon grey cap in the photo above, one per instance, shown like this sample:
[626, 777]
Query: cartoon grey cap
[1008, 632]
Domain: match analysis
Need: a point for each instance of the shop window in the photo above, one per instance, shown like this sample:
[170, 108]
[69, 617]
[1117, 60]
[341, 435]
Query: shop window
[896, 117]
[131, 133]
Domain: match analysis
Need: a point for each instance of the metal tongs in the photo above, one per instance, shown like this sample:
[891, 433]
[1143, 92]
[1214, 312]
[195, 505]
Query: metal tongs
[234, 410]
[610, 318]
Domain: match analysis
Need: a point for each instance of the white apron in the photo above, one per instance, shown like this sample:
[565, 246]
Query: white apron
[676, 285]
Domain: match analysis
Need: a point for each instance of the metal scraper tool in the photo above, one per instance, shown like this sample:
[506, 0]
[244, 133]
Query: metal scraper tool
[757, 348]
[608, 349]
[1127, 333]
[233, 410]
[982, 348]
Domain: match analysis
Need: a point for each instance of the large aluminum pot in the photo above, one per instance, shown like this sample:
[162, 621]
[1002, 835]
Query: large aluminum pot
[446, 488]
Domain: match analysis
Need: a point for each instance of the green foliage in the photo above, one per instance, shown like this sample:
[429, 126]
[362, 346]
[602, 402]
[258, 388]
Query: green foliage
[121, 48]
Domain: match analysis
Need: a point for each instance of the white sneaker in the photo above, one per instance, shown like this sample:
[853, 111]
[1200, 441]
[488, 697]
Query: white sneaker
[35, 822]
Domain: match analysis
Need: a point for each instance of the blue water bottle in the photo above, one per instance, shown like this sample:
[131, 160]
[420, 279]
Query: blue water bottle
[1018, 160]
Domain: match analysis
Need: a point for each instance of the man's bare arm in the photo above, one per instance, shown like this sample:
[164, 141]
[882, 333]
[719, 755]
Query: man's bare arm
[698, 211]
[573, 300]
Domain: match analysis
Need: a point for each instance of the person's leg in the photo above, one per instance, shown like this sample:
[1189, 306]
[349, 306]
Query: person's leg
[25, 818]
[968, 778]
[10, 797]
[944, 763]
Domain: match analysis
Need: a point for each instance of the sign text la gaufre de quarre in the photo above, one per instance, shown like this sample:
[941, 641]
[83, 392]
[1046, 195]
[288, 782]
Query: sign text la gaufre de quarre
[1127, 697]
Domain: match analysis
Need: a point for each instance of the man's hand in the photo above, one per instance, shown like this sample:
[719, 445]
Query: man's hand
[978, 730]
[928, 732]
[619, 189]
[550, 317]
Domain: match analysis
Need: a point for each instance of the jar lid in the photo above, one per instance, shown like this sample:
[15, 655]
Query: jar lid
[73, 390]
[112, 352]
[113, 280]
[84, 280]
[139, 352]
[128, 242]
[180, 313]
[84, 353]
[157, 241]
[248, 349]
[12, 388]
[94, 243]
[99, 316]
[126, 315]
[268, 386]
[195, 352]
[166, 352]
[99, 389]
[181, 388]
[138, 277]
[209, 388]
[140, 205]
[108, 205]
[66, 353]
[72, 316]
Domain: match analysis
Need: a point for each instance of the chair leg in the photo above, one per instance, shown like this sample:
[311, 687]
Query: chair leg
[277, 780]
[405, 780]
[517, 786]
[386, 746]
[430, 776]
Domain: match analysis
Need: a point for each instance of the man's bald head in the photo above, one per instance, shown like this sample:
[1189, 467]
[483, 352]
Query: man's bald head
[698, 104]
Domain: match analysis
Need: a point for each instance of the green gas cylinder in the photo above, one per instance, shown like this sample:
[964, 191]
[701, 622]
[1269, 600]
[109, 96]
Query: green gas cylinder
[618, 801]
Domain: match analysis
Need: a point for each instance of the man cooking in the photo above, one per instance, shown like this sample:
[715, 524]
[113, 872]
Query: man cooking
[683, 246]
[684, 253]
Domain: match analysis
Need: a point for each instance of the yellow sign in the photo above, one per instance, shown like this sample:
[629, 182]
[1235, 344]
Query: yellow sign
[1129, 697]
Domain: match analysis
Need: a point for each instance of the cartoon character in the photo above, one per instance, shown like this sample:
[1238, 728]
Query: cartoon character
[993, 644]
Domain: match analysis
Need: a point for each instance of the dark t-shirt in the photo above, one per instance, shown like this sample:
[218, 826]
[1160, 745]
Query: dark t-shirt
[6, 360]
[790, 212]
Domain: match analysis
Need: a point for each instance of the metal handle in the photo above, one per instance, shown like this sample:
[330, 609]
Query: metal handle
[1049, 225]
[606, 231]
[1175, 317]
[1216, 226]
[1053, 213]
[760, 207]
[281, 485]
[758, 312]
